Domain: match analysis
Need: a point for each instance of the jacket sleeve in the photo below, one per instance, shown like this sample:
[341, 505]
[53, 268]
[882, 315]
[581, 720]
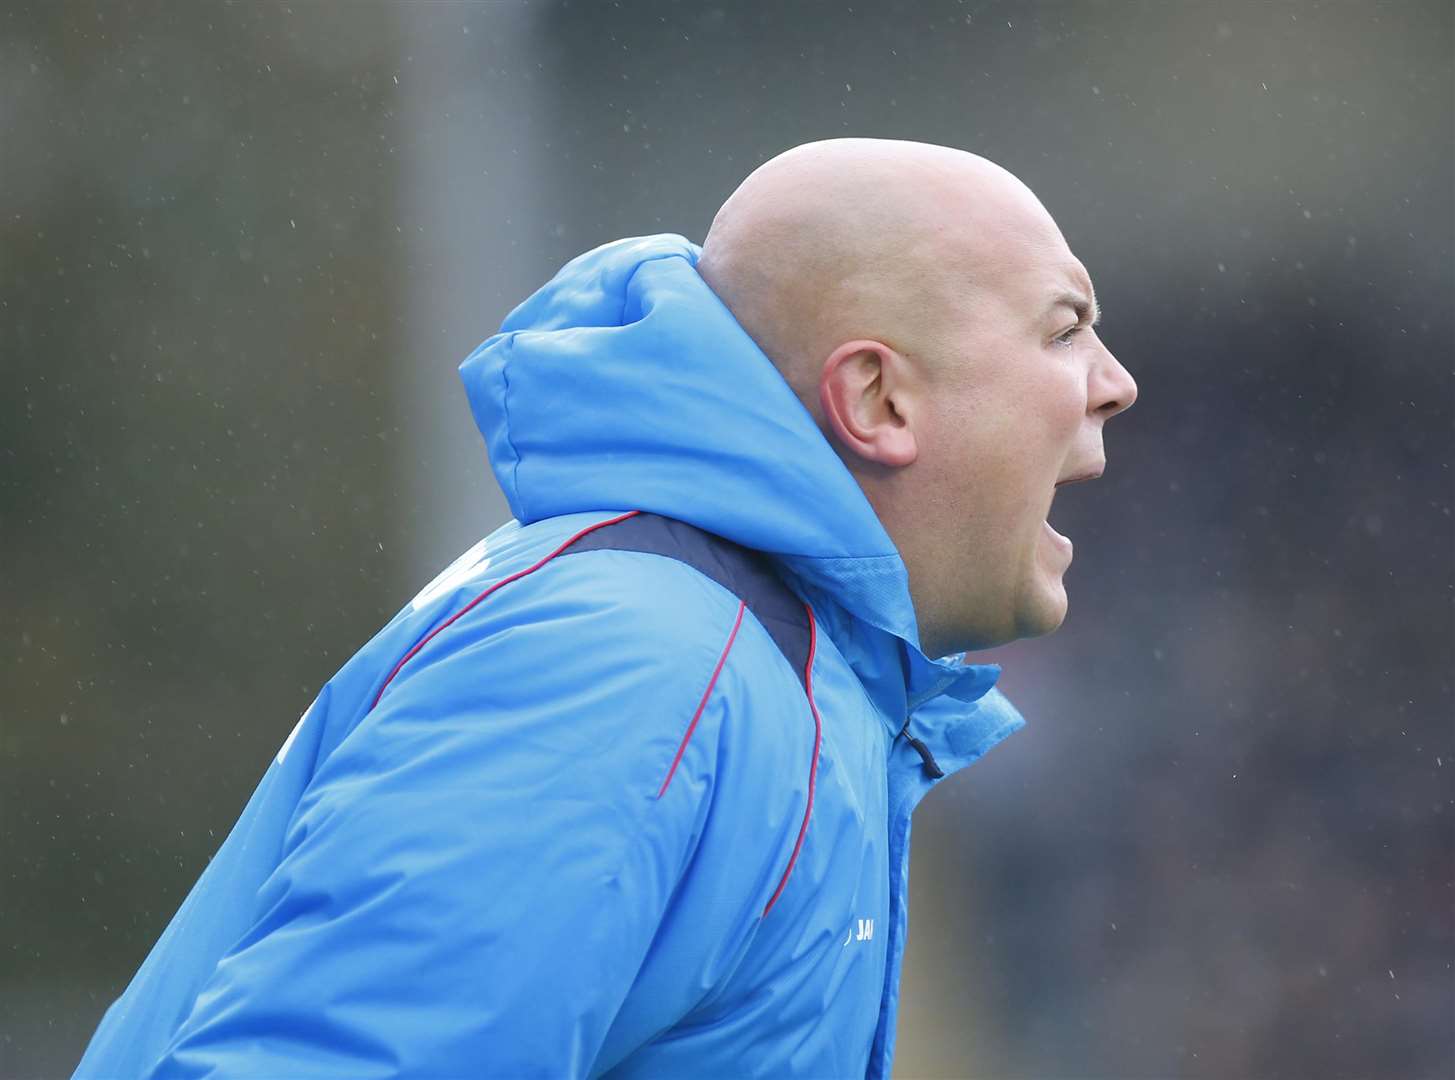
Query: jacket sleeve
[483, 867]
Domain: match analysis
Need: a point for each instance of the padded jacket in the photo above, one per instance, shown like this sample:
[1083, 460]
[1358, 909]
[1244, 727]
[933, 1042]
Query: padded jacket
[577, 814]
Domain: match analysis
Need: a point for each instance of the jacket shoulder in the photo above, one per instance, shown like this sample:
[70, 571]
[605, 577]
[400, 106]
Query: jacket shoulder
[609, 653]
[746, 574]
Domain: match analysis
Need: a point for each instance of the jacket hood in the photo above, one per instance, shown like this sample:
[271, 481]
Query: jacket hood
[625, 383]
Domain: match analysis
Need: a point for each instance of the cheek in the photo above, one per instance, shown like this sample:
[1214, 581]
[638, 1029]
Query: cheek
[1051, 417]
[997, 444]
[1044, 411]
[982, 483]
[1071, 403]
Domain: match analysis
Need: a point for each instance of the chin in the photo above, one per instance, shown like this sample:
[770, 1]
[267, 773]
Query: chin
[1037, 608]
[1033, 620]
[1044, 614]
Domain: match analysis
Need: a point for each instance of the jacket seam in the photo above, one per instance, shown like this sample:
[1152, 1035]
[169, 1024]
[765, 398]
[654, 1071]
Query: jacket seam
[813, 764]
[706, 695]
[447, 623]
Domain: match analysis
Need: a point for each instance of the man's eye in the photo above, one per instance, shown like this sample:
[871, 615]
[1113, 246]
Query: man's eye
[1065, 339]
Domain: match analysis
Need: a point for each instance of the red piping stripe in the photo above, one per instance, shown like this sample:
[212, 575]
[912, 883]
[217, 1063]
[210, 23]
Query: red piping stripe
[721, 660]
[503, 581]
[813, 768]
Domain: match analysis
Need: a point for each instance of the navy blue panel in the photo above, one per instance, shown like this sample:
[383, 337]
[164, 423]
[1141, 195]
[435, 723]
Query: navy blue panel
[746, 574]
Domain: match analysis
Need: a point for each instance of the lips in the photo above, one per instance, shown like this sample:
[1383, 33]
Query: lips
[1090, 474]
[1062, 542]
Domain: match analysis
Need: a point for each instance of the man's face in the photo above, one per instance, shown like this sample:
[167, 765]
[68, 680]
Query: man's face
[1019, 389]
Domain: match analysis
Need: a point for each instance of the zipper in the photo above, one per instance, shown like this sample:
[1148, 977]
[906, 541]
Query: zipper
[931, 767]
[905, 789]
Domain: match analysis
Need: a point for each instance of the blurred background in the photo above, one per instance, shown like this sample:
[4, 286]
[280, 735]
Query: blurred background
[244, 246]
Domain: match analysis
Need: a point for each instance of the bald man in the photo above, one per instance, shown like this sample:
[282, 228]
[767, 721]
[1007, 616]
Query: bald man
[929, 315]
[626, 790]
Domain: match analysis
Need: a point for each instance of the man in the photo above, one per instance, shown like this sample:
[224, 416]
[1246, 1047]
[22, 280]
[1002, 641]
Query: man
[614, 794]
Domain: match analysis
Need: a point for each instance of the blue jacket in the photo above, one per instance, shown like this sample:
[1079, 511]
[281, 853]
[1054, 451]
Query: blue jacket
[565, 830]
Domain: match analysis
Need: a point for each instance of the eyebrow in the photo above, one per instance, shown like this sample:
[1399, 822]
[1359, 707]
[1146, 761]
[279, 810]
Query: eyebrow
[1079, 304]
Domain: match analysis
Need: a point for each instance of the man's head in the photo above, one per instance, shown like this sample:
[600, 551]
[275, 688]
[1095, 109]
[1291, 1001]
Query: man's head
[927, 311]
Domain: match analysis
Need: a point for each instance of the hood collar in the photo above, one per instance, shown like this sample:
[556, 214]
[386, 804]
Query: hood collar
[625, 382]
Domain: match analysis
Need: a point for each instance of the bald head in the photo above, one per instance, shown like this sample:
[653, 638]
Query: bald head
[926, 310]
[871, 238]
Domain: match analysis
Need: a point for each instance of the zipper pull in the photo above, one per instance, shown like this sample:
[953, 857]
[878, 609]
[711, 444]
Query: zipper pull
[932, 768]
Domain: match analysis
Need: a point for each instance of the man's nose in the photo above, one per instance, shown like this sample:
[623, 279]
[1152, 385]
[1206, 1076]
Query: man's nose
[1112, 387]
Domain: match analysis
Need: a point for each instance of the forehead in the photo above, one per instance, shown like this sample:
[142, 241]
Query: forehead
[1031, 275]
[996, 255]
[1007, 236]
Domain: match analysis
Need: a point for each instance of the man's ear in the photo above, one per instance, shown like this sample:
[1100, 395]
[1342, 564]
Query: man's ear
[867, 393]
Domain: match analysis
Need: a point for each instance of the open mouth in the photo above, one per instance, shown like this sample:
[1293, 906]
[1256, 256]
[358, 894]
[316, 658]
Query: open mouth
[1061, 541]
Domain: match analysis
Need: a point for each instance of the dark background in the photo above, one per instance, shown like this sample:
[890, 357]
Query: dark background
[243, 247]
